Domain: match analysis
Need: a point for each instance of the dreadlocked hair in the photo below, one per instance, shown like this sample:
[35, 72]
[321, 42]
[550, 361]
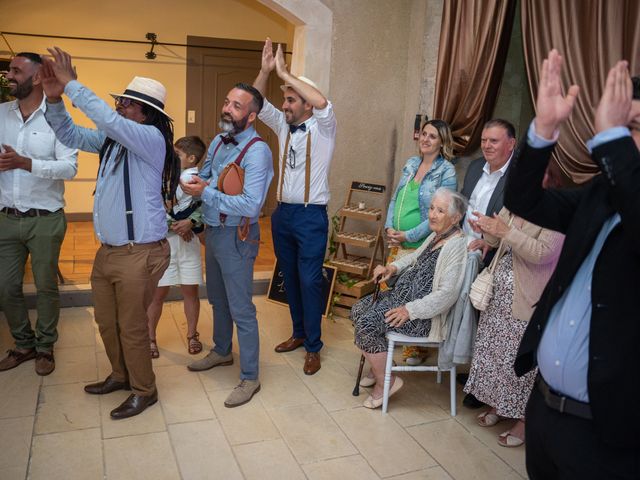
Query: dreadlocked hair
[171, 169]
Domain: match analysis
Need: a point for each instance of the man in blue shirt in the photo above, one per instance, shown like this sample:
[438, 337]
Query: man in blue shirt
[582, 420]
[231, 250]
[137, 168]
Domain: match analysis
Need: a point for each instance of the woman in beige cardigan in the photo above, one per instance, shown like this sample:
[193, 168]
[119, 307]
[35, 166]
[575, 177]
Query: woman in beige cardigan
[530, 256]
[429, 284]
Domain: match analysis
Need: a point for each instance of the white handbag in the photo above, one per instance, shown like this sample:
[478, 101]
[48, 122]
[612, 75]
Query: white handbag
[481, 291]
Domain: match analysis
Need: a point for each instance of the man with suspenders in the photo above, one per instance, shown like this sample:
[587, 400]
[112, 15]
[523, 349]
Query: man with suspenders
[137, 168]
[306, 130]
[231, 250]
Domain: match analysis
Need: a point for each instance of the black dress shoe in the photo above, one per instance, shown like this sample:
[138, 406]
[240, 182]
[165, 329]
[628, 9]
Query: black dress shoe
[470, 401]
[134, 405]
[107, 386]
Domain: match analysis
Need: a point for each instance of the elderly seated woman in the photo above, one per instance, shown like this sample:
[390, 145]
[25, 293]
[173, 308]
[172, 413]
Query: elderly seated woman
[428, 286]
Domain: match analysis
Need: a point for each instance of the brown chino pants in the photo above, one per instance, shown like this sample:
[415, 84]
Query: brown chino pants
[123, 282]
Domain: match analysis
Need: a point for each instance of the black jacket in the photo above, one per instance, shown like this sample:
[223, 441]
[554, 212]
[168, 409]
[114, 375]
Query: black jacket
[474, 172]
[613, 377]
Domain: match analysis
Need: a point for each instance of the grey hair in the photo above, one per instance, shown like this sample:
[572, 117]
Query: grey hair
[457, 202]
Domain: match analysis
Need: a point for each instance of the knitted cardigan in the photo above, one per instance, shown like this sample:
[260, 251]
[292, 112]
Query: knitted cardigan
[535, 252]
[447, 282]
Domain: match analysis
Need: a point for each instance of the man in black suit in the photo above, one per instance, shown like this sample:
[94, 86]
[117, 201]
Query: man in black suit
[484, 187]
[582, 418]
[486, 176]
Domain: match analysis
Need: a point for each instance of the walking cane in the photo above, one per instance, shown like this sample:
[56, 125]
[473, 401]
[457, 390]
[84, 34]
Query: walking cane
[356, 389]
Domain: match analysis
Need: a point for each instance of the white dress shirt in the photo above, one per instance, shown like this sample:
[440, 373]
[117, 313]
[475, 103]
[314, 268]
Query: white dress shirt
[481, 195]
[51, 161]
[322, 127]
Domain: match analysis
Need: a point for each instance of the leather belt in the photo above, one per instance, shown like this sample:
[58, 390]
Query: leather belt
[32, 212]
[561, 403]
[138, 246]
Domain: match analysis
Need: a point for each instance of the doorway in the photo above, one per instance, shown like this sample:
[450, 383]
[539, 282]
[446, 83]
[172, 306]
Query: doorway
[214, 66]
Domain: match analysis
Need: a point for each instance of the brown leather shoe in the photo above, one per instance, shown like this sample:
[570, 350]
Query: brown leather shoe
[45, 364]
[289, 345]
[107, 386]
[15, 358]
[134, 405]
[311, 363]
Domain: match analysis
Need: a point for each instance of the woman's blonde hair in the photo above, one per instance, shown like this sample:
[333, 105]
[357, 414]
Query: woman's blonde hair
[444, 132]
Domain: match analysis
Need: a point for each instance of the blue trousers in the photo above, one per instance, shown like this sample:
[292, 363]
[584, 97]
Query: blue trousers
[229, 266]
[300, 241]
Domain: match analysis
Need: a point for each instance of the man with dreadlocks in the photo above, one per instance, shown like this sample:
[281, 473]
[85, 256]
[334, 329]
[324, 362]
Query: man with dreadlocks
[138, 167]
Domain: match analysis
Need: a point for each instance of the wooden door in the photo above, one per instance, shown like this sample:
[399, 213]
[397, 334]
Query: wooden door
[211, 73]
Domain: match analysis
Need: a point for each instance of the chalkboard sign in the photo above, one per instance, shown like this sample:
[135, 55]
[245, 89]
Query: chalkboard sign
[278, 294]
[367, 187]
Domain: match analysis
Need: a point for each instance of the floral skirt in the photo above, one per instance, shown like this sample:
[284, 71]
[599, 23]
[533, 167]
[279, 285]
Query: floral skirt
[492, 379]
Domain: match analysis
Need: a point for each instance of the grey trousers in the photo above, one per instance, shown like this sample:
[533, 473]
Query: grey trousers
[229, 266]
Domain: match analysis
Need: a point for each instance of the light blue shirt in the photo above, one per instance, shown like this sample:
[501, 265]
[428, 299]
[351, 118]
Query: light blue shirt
[563, 353]
[441, 174]
[258, 172]
[146, 148]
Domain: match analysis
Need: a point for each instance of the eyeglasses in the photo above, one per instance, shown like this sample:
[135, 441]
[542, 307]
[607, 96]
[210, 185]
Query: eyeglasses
[291, 158]
[124, 102]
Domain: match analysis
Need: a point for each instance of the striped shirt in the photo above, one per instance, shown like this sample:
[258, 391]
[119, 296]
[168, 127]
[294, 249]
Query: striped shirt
[146, 152]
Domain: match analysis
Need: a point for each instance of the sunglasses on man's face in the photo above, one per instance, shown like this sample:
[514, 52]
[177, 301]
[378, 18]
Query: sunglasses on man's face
[124, 102]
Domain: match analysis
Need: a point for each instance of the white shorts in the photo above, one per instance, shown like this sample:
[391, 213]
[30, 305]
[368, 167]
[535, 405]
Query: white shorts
[185, 266]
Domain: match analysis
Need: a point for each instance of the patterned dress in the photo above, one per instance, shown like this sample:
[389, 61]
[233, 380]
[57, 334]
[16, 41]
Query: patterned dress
[491, 378]
[368, 318]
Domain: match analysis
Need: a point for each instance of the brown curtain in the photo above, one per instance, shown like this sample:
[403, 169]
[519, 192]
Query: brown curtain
[474, 41]
[591, 35]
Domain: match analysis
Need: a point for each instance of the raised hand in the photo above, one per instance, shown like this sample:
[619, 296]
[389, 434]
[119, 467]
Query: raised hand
[281, 66]
[52, 87]
[552, 107]
[62, 66]
[615, 104]
[268, 61]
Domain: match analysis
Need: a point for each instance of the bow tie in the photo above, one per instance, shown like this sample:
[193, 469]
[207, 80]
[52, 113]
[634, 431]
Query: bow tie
[293, 128]
[227, 139]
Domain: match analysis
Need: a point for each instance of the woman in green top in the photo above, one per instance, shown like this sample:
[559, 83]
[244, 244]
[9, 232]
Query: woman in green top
[407, 222]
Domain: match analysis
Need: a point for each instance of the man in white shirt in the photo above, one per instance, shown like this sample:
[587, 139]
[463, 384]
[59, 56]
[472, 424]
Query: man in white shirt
[306, 129]
[33, 167]
[486, 176]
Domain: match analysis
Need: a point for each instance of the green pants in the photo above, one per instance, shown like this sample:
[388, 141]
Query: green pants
[40, 237]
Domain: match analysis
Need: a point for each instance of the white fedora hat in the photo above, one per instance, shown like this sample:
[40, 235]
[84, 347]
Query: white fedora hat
[146, 90]
[303, 79]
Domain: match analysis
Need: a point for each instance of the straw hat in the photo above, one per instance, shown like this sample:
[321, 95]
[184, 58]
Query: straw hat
[303, 79]
[146, 90]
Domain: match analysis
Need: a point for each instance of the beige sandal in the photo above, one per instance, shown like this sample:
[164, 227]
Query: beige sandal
[153, 347]
[506, 439]
[195, 345]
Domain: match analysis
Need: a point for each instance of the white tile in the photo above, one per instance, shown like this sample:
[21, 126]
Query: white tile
[311, 433]
[15, 442]
[73, 365]
[19, 387]
[66, 407]
[281, 387]
[194, 444]
[68, 455]
[245, 424]
[267, 460]
[354, 468]
[459, 452]
[379, 438]
[182, 396]
[140, 456]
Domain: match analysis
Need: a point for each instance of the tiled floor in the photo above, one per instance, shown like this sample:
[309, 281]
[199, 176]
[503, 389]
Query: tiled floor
[296, 427]
[80, 245]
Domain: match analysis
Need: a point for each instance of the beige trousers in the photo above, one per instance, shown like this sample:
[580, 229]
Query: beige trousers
[123, 282]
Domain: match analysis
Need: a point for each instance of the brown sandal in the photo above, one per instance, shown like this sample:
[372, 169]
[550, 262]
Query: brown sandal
[153, 347]
[195, 346]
